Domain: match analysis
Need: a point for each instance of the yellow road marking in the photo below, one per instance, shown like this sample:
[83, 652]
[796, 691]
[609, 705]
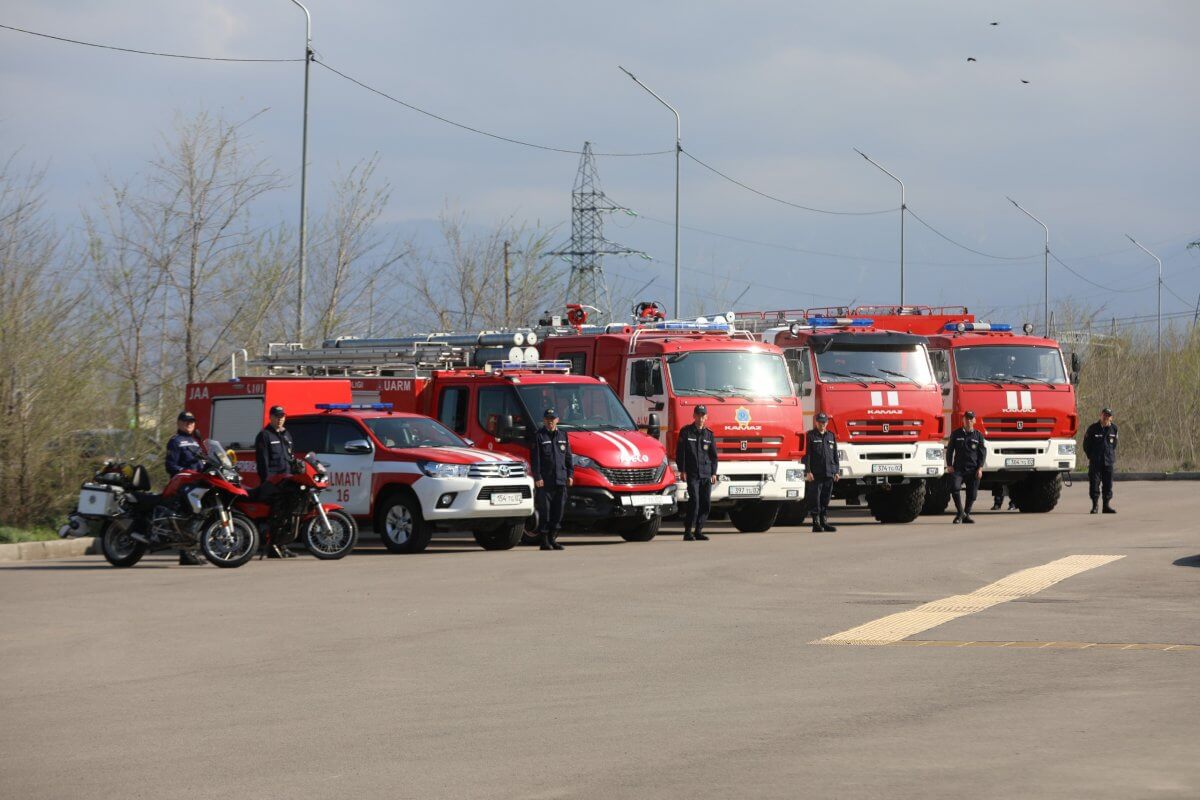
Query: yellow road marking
[895, 627]
[1052, 645]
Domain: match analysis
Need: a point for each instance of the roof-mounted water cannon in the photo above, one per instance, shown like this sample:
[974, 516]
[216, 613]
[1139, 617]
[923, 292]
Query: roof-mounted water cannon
[964, 327]
[577, 316]
[649, 311]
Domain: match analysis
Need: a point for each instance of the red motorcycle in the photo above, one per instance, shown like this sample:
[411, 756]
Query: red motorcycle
[194, 511]
[294, 511]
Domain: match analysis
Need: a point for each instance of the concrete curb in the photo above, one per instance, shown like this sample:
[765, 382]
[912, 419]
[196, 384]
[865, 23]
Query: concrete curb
[1144, 476]
[55, 548]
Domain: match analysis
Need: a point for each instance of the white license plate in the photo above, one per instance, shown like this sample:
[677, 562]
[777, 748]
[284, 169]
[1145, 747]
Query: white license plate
[744, 491]
[507, 499]
[887, 468]
[647, 500]
[1018, 462]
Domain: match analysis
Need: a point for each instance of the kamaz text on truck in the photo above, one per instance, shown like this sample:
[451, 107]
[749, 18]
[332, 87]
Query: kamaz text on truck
[623, 481]
[883, 404]
[662, 370]
[1018, 386]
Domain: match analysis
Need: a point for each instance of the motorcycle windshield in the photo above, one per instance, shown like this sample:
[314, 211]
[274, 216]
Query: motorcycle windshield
[216, 454]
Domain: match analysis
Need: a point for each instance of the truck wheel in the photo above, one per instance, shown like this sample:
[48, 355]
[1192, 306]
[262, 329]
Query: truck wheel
[640, 531]
[754, 517]
[400, 525]
[505, 537]
[792, 513]
[119, 547]
[530, 535]
[334, 544]
[901, 503]
[1038, 493]
[937, 496]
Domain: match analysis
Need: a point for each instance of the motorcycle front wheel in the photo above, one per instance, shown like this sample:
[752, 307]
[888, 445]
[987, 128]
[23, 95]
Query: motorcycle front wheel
[338, 542]
[229, 548]
[118, 545]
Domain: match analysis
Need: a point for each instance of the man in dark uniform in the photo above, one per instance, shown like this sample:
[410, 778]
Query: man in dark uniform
[696, 456]
[1100, 447]
[184, 451]
[273, 456]
[821, 468]
[965, 456]
[553, 471]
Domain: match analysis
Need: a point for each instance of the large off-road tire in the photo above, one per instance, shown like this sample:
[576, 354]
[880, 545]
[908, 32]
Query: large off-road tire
[504, 537]
[937, 496]
[331, 546]
[401, 526]
[530, 535]
[1038, 493]
[642, 530]
[792, 514]
[754, 517]
[119, 547]
[224, 549]
[899, 503]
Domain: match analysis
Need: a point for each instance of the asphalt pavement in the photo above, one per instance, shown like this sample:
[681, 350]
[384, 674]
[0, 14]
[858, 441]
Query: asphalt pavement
[617, 670]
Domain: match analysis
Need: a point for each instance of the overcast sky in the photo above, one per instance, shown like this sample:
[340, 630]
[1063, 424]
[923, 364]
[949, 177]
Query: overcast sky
[1100, 142]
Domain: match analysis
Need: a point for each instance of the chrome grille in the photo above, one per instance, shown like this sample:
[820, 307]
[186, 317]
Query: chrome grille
[632, 477]
[498, 469]
[1014, 427]
[885, 429]
[486, 492]
[749, 445]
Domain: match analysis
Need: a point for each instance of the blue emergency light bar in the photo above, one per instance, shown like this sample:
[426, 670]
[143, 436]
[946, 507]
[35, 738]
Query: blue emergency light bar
[354, 406]
[564, 366]
[676, 325]
[839, 322]
[977, 326]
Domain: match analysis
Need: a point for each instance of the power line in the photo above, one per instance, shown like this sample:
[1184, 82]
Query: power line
[964, 247]
[479, 131]
[148, 52]
[1086, 279]
[772, 197]
[1176, 296]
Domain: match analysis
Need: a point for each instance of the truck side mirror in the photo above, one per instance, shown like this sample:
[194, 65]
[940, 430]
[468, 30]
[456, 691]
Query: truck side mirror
[357, 447]
[653, 426]
[805, 391]
[508, 430]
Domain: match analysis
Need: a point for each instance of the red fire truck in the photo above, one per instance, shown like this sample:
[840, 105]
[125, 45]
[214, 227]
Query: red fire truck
[405, 474]
[663, 369]
[883, 404]
[623, 482]
[1017, 384]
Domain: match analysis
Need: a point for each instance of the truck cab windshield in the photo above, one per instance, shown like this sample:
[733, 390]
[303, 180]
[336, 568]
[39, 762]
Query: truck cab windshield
[730, 373]
[895, 364]
[580, 406]
[1019, 364]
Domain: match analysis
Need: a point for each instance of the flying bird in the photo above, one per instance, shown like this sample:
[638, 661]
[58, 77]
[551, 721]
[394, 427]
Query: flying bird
[993, 23]
[1024, 81]
[970, 59]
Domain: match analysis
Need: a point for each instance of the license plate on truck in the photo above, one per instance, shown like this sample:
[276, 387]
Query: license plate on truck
[744, 491]
[1018, 462]
[647, 500]
[887, 468]
[506, 499]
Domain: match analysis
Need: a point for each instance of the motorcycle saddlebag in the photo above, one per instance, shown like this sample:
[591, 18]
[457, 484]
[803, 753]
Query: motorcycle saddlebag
[100, 500]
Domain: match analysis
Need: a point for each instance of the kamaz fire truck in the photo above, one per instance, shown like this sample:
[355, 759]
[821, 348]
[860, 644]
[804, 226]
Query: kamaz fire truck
[492, 389]
[663, 369]
[1018, 386]
[883, 404]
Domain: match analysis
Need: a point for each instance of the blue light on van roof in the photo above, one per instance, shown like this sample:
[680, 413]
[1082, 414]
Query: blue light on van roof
[354, 406]
[977, 326]
[839, 322]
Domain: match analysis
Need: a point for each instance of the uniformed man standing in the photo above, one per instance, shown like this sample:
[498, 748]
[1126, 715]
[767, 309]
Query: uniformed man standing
[696, 457]
[821, 469]
[184, 451]
[553, 471]
[965, 457]
[273, 456]
[1100, 447]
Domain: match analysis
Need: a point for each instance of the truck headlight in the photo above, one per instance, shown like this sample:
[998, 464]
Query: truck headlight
[1066, 449]
[842, 456]
[436, 469]
[793, 475]
[935, 454]
[583, 461]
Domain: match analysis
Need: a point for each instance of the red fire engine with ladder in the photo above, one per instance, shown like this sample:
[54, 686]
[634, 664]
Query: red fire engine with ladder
[1017, 384]
[877, 388]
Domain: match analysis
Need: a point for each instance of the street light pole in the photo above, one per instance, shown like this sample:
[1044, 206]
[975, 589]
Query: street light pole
[308, 53]
[1159, 260]
[1045, 267]
[903, 207]
[678, 150]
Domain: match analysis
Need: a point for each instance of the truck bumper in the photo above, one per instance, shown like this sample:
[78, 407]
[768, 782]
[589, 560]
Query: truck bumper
[876, 464]
[450, 501]
[1013, 458]
[593, 504]
[739, 481]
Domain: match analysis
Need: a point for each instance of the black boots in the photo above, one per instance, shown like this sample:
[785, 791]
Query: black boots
[998, 504]
[1095, 505]
[1109, 509]
[821, 525]
[188, 558]
[700, 537]
[688, 536]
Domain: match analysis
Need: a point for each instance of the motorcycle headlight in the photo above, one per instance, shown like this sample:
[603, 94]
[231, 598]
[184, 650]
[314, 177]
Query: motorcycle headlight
[935, 454]
[1066, 449]
[583, 461]
[435, 469]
